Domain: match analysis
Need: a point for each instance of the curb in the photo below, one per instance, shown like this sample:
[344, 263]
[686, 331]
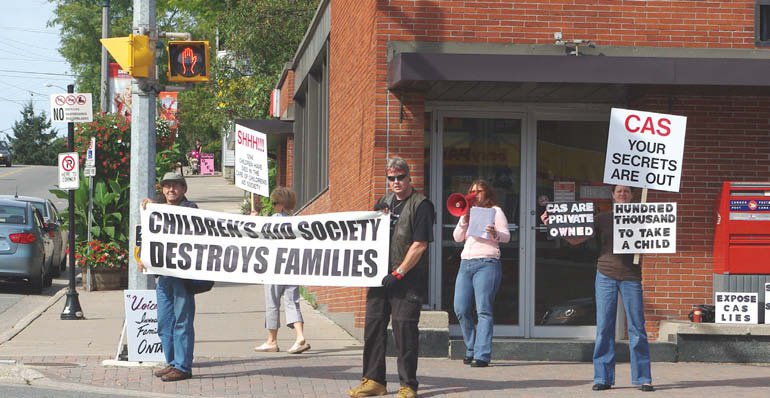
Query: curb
[24, 322]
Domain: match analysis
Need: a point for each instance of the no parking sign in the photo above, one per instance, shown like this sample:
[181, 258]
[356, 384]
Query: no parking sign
[69, 171]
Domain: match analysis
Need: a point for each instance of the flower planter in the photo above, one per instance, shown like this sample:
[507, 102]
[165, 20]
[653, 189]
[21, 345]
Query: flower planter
[106, 279]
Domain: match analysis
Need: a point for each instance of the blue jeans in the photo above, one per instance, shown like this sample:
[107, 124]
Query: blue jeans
[477, 281]
[176, 314]
[606, 312]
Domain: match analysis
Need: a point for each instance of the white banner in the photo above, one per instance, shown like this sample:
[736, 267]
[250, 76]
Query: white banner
[644, 149]
[333, 249]
[142, 335]
[251, 173]
[644, 228]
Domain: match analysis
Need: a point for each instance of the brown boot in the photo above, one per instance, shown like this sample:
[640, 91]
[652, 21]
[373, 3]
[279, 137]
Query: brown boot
[176, 375]
[164, 371]
[367, 388]
[406, 392]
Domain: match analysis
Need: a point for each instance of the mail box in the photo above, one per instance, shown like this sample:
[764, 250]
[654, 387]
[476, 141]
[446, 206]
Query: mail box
[742, 230]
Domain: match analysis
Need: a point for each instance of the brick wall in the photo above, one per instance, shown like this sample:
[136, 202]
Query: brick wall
[287, 91]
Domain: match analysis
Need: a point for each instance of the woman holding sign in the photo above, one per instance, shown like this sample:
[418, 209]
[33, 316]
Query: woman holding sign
[617, 273]
[284, 200]
[478, 278]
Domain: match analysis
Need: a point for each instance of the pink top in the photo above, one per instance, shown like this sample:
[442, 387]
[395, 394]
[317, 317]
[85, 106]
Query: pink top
[476, 247]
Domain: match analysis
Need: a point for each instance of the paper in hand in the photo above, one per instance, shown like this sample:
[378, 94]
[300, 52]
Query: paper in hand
[480, 218]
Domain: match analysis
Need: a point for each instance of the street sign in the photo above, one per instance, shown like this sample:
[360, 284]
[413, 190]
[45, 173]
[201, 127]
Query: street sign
[72, 108]
[91, 154]
[69, 175]
[89, 171]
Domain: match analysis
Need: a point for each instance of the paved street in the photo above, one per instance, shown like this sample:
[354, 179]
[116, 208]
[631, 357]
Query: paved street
[49, 355]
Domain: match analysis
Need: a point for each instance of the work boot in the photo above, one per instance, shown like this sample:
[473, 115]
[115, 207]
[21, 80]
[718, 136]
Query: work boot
[162, 372]
[176, 375]
[406, 392]
[367, 388]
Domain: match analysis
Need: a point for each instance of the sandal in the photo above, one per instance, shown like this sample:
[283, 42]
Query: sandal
[299, 348]
[267, 348]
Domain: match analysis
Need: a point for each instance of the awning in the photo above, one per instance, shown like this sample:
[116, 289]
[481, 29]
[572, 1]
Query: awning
[415, 70]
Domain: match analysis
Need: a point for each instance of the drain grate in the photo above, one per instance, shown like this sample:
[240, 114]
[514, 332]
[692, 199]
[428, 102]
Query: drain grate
[54, 364]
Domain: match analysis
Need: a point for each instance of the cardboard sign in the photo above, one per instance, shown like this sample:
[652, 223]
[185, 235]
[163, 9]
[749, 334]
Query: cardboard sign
[570, 219]
[644, 228]
[734, 307]
[142, 336]
[251, 173]
[644, 150]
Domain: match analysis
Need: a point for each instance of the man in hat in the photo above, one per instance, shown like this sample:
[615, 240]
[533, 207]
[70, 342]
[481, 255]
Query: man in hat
[176, 306]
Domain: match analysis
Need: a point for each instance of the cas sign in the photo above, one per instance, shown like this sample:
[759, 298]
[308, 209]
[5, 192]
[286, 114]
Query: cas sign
[69, 171]
[72, 108]
[645, 149]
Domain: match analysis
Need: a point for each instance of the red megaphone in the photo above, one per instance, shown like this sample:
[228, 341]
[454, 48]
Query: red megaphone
[458, 204]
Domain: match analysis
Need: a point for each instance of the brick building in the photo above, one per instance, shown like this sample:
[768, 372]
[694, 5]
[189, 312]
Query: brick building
[519, 93]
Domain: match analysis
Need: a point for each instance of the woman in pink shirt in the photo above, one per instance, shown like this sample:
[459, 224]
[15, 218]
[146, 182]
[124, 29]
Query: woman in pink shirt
[479, 277]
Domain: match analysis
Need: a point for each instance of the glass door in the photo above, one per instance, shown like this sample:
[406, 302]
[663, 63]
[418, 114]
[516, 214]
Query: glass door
[569, 167]
[473, 146]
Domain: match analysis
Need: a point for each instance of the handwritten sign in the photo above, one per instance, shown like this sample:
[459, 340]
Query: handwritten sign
[644, 228]
[734, 307]
[142, 335]
[570, 219]
[251, 172]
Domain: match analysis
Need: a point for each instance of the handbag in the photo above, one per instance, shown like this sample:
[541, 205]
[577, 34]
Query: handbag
[195, 286]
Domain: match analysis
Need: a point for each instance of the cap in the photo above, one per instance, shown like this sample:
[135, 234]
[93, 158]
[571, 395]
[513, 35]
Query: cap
[173, 177]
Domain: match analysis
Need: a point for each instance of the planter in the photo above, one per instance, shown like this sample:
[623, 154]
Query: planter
[105, 279]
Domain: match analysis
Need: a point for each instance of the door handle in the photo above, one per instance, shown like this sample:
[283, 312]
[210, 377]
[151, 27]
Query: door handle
[540, 228]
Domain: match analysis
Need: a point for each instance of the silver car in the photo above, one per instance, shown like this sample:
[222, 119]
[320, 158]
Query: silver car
[54, 222]
[25, 244]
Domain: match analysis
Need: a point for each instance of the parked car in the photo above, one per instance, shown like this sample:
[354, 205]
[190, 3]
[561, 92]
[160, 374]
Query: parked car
[54, 223]
[5, 154]
[25, 244]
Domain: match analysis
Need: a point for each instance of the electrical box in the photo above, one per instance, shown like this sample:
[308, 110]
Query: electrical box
[742, 229]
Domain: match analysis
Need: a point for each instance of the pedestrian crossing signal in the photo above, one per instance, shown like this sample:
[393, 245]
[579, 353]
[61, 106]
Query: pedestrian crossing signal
[188, 61]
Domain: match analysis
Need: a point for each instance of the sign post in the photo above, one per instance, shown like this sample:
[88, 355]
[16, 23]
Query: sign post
[71, 107]
[90, 172]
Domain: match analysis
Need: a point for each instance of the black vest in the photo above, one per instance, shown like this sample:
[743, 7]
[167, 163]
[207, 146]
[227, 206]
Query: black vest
[402, 237]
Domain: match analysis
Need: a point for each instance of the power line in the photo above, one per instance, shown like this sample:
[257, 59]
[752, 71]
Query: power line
[20, 29]
[36, 73]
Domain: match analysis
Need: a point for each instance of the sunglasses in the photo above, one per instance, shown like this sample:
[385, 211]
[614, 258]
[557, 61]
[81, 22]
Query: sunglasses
[396, 178]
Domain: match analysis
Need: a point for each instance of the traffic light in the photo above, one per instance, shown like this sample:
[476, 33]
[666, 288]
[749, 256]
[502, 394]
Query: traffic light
[132, 52]
[188, 61]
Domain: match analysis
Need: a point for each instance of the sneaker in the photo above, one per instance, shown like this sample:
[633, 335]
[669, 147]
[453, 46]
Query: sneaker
[176, 375]
[601, 387]
[647, 388]
[299, 348]
[406, 392]
[367, 388]
[267, 348]
[478, 363]
[164, 371]
[467, 360]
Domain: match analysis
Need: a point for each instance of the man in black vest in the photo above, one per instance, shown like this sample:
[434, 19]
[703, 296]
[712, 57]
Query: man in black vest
[411, 228]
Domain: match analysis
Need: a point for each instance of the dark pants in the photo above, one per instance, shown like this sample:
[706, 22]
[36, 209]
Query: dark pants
[403, 303]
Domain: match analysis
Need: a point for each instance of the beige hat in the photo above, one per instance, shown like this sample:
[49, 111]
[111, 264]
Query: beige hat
[173, 177]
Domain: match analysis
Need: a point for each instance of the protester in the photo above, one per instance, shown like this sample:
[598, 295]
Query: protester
[617, 273]
[284, 200]
[478, 278]
[400, 297]
[176, 306]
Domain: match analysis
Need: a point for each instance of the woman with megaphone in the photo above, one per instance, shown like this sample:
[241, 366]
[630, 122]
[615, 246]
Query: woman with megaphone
[478, 278]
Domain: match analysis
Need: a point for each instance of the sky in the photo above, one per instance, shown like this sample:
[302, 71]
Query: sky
[29, 60]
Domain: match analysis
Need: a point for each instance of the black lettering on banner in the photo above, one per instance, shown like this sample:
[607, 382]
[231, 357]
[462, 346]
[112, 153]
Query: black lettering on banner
[311, 261]
[304, 230]
[145, 348]
[355, 264]
[370, 257]
[155, 218]
[333, 229]
[260, 266]
[199, 256]
[232, 228]
[221, 228]
[287, 231]
[279, 259]
[332, 263]
[231, 258]
[292, 262]
[352, 229]
[215, 258]
[198, 228]
[186, 222]
[346, 263]
[246, 253]
[168, 224]
[336, 266]
[211, 227]
[318, 230]
[249, 228]
[156, 254]
[266, 233]
[186, 262]
[327, 259]
[170, 255]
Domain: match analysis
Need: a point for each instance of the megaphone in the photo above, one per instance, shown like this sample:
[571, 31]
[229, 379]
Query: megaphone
[458, 204]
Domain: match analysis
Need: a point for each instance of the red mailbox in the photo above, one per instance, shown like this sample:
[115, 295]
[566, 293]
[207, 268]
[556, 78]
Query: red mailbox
[742, 231]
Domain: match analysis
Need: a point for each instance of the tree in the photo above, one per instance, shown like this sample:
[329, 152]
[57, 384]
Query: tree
[34, 141]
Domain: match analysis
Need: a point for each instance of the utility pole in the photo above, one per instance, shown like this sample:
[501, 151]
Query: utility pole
[143, 99]
[104, 96]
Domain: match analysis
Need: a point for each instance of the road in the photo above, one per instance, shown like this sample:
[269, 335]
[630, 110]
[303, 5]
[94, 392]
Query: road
[16, 302]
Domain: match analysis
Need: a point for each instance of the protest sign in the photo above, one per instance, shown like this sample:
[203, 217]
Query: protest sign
[333, 249]
[644, 228]
[142, 337]
[734, 307]
[644, 149]
[251, 173]
[570, 219]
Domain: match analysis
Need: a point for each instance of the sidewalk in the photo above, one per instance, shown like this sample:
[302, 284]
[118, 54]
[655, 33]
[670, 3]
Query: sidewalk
[68, 355]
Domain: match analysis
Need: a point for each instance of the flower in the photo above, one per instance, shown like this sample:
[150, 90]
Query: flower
[98, 254]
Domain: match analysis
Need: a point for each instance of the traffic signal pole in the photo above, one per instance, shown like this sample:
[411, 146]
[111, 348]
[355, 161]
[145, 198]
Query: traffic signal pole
[72, 309]
[142, 136]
